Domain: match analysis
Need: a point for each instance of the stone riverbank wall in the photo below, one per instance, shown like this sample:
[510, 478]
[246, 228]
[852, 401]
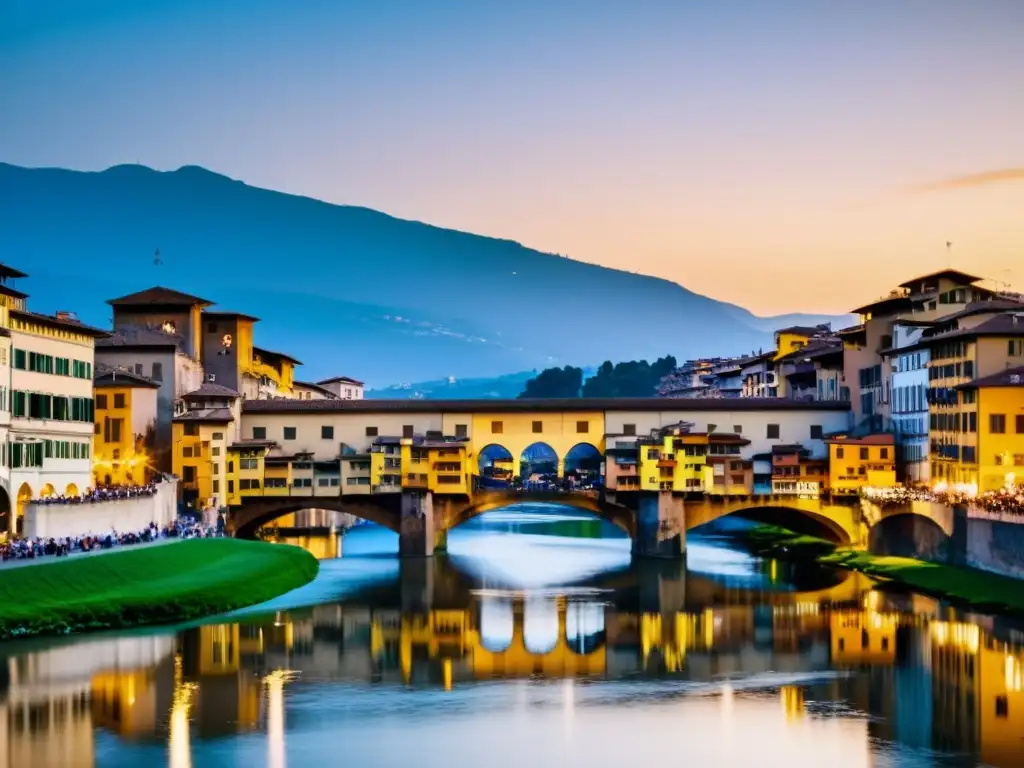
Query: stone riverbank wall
[102, 517]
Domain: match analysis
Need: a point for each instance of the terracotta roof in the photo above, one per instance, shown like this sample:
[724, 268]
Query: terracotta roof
[581, 404]
[158, 296]
[120, 377]
[247, 443]
[951, 274]
[791, 448]
[209, 389]
[1006, 324]
[8, 291]
[264, 352]
[342, 379]
[981, 308]
[813, 351]
[141, 336]
[62, 323]
[218, 415]
[1011, 377]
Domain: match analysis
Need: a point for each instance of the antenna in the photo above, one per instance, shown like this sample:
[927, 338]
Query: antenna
[157, 261]
[949, 255]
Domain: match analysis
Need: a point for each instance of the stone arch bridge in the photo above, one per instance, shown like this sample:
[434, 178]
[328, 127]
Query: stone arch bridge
[656, 521]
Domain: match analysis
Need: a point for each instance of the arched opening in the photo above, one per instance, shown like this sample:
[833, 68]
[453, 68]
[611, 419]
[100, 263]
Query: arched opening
[908, 535]
[584, 627]
[796, 520]
[583, 467]
[23, 498]
[71, 490]
[46, 491]
[497, 467]
[540, 625]
[539, 467]
[497, 623]
[5, 512]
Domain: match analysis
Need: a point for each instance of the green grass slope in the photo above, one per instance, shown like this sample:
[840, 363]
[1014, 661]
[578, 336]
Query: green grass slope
[163, 584]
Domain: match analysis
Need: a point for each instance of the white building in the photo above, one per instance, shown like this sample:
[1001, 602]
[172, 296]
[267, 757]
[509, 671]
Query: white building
[909, 399]
[343, 387]
[46, 376]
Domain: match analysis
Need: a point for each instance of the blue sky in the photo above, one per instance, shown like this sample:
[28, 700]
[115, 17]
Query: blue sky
[748, 150]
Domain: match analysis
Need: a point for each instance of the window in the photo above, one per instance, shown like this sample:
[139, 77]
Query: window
[186, 452]
[289, 433]
[712, 427]
[863, 454]
[20, 360]
[773, 431]
[1002, 706]
[1019, 426]
[497, 427]
[407, 430]
[191, 430]
[231, 485]
[885, 453]
[839, 451]
[582, 427]
[997, 423]
[158, 372]
[112, 429]
[737, 428]
[461, 430]
[138, 369]
[259, 433]
[538, 427]
[119, 401]
[371, 431]
[216, 486]
[326, 432]
[215, 451]
[816, 432]
[101, 402]
[188, 474]
[629, 429]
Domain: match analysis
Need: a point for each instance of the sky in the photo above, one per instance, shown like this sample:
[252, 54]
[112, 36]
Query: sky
[787, 156]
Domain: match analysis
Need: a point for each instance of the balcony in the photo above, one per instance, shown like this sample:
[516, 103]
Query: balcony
[416, 481]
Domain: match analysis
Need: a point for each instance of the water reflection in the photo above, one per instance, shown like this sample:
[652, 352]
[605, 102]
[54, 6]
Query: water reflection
[435, 661]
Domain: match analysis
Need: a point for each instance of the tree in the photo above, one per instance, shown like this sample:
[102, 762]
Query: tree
[554, 382]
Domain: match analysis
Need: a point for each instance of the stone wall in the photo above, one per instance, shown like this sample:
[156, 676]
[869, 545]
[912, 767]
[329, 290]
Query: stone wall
[122, 515]
[996, 545]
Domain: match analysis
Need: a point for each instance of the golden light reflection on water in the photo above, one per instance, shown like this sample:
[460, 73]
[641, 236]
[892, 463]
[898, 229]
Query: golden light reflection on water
[205, 683]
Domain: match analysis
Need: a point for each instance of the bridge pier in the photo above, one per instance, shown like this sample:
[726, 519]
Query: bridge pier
[660, 525]
[416, 531]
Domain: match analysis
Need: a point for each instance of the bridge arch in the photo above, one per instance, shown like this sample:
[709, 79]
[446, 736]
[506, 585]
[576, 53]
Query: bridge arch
[585, 501]
[583, 460]
[245, 520]
[833, 522]
[908, 533]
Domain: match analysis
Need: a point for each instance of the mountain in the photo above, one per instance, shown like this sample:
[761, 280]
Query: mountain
[347, 290]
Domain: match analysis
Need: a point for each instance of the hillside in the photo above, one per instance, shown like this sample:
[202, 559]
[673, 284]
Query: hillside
[345, 289]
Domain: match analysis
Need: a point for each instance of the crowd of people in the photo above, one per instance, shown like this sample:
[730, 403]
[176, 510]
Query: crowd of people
[102, 493]
[1008, 501]
[29, 549]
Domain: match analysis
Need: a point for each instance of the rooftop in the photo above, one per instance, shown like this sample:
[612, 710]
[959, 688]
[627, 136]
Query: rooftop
[264, 352]
[316, 388]
[10, 273]
[342, 379]
[880, 439]
[62, 323]
[215, 415]
[209, 389]
[1011, 377]
[806, 330]
[227, 314]
[950, 274]
[159, 296]
[121, 377]
[887, 305]
[538, 406]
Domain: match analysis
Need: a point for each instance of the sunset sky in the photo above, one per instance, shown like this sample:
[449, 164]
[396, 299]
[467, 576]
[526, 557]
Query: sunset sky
[784, 155]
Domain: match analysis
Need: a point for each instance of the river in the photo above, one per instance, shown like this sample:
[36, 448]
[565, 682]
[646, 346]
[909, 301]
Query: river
[535, 642]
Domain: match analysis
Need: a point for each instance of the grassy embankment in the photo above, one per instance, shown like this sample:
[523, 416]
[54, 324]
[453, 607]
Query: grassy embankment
[175, 582]
[978, 589]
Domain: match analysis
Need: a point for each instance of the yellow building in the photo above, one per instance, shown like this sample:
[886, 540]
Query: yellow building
[673, 459]
[201, 438]
[859, 462]
[126, 415]
[438, 464]
[863, 637]
[998, 460]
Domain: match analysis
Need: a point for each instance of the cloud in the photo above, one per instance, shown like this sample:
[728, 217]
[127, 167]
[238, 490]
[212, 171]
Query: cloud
[971, 180]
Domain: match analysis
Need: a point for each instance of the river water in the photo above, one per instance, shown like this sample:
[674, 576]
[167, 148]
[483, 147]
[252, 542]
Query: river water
[534, 642]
